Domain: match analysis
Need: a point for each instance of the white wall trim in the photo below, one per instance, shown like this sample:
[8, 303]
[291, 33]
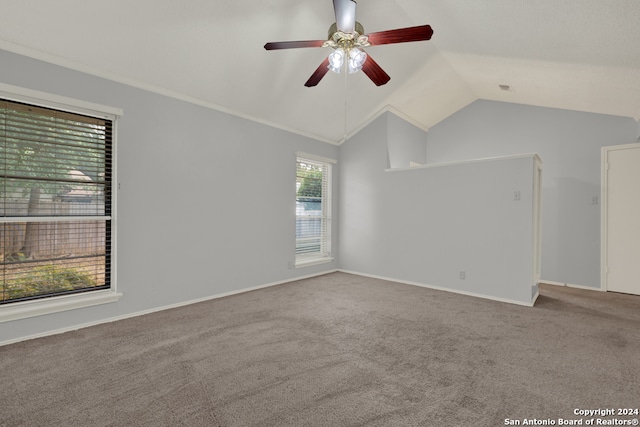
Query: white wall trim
[56, 304]
[156, 309]
[550, 282]
[41, 56]
[439, 288]
[534, 299]
[406, 118]
[470, 161]
[570, 285]
[26, 309]
[50, 100]
[316, 157]
[537, 218]
[362, 125]
[604, 212]
[372, 118]
[604, 232]
[586, 288]
[308, 262]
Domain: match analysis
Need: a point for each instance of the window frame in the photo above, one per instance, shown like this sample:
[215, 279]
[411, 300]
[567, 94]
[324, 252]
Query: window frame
[306, 260]
[57, 303]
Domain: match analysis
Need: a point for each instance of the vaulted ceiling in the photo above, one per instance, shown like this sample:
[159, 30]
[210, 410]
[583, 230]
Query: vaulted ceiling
[574, 54]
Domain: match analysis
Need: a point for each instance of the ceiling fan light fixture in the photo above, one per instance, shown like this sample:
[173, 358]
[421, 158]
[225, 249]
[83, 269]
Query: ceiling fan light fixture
[357, 58]
[347, 37]
[336, 59]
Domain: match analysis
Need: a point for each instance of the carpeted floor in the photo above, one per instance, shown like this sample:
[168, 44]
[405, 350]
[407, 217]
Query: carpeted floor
[335, 350]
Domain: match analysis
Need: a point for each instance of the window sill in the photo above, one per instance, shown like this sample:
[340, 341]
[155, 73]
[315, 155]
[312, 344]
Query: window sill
[312, 261]
[23, 310]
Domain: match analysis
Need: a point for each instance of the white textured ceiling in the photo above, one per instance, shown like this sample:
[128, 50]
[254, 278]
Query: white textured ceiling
[573, 54]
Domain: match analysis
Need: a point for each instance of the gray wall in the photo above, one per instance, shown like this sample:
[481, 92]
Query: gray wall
[206, 203]
[406, 143]
[569, 144]
[425, 225]
[207, 200]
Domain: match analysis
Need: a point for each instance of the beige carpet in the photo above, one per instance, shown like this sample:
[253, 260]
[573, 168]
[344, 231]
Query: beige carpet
[336, 350]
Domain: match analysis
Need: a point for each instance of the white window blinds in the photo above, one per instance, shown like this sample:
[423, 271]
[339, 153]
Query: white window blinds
[313, 210]
[55, 202]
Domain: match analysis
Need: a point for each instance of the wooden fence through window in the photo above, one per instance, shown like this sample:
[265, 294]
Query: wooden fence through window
[52, 239]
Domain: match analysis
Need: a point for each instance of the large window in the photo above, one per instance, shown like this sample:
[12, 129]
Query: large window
[55, 202]
[313, 210]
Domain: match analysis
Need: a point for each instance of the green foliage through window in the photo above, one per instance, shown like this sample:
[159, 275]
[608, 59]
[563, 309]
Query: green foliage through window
[309, 180]
[47, 279]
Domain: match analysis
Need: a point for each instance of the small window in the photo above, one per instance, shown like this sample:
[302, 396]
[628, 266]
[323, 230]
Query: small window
[55, 202]
[313, 211]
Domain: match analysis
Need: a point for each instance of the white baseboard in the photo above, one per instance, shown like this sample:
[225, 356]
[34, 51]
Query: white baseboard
[156, 309]
[535, 298]
[570, 285]
[549, 282]
[439, 288]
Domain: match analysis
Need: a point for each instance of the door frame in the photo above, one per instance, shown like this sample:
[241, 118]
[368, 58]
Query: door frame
[604, 202]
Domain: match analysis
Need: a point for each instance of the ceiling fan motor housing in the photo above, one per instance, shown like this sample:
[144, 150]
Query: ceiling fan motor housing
[346, 41]
[333, 29]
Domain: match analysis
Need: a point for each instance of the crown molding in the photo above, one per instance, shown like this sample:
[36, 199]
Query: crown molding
[114, 77]
[373, 117]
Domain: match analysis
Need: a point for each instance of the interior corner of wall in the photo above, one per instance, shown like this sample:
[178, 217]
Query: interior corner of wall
[387, 137]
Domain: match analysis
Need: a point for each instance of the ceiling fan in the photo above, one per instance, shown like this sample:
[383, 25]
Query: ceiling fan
[347, 38]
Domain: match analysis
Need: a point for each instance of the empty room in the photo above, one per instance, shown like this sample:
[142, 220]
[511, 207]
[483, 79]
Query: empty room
[319, 213]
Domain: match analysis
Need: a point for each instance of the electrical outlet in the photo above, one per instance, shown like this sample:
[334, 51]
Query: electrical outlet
[463, 275]
[516, 195]
[594, 200]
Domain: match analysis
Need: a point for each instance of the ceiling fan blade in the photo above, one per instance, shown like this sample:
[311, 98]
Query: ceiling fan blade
[318, 74]
[375, 72]
[294, 44]
[345, 15]
[401, 35]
